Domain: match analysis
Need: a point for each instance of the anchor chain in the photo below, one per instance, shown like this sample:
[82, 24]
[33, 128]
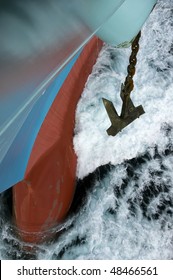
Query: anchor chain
[129, 112]
[128, 85]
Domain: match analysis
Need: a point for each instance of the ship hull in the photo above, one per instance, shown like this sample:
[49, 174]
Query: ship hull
[42, 199]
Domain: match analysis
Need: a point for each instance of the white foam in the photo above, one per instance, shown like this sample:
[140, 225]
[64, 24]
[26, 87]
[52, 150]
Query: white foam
[153, 89]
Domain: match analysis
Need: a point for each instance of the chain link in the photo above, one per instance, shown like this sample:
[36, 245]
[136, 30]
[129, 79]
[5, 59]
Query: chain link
[128, 84]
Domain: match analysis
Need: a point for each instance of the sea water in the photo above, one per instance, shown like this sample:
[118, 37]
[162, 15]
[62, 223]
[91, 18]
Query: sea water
[123, 208]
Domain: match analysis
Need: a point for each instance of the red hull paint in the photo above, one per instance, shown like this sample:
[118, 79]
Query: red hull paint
[42, 200]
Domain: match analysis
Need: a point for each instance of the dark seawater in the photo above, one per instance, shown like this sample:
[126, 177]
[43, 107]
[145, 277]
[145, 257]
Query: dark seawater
[119, 212]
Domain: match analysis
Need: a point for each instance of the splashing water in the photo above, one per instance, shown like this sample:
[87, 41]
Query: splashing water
[123, 207]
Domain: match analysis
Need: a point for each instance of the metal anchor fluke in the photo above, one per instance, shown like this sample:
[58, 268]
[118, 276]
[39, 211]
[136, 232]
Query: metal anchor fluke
[118, 122]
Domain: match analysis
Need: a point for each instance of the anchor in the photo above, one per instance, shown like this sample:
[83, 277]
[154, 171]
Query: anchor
[129, 112]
